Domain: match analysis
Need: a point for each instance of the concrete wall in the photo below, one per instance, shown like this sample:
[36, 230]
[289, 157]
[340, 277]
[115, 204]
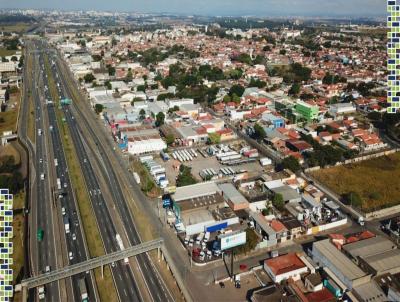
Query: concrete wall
[356, 160]
[328, 226]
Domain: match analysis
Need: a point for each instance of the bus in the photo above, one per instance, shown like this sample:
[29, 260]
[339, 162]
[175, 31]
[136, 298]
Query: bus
[40, 234]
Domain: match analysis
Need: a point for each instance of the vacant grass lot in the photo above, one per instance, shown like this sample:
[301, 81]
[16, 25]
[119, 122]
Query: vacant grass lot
[16, 27]
[8, 119]
[6, 52]
[377, 181]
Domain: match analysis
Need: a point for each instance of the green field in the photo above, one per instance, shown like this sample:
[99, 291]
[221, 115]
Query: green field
[377, 181]
[6, 52]
[17, 27]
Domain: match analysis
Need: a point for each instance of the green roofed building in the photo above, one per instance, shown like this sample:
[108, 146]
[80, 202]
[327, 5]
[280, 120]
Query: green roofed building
[306, 110]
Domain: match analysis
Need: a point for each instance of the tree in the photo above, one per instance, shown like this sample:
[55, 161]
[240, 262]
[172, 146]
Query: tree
[259, 131]
[214, 138]
[129, 76]
[137, 99]
[236, 89]
[89, 78]
[278, 201]
[108, 85]
[14, 59]
[160, 117]
[111, 70]
[185, 177]
[170, 139]
[227, 98]
[282, 52]
[98, 108]
[141, 88]
[142, 114]
[291, 163]
[353, 198]
[295, 89]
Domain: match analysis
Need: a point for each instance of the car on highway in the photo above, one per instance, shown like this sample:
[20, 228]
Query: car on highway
[65, 184]
[41, 160]
[73, 236]
[47, 269]
[70, 256]
[63, 211]
[113, 264]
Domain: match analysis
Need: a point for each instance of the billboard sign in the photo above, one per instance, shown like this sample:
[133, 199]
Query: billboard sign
[231, 240]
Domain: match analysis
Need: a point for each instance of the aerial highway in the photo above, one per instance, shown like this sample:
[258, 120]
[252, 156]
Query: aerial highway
[156, 286]
[65, 203]
[43, 251]
[121, 271]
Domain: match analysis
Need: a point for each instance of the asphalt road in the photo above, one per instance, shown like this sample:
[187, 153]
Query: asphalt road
[45, 251]
[122, 273]
[66, 206]
[156, 286]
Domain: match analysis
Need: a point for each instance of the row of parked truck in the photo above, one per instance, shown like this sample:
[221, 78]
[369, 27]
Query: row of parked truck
[156, 170]
[184, 155]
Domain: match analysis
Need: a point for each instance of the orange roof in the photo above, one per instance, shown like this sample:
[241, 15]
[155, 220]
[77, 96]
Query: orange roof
[366, 235]
[323, 295]
[277, 226]
[284, 264]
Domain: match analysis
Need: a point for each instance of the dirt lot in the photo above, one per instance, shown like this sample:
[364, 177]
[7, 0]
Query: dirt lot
[230, 293]
[376, 181]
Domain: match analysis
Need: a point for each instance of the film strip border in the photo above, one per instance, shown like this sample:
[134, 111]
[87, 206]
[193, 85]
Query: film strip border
[6, 245]
[393, 51]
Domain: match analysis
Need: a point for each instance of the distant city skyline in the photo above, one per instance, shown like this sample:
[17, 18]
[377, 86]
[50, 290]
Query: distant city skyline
[351, 8]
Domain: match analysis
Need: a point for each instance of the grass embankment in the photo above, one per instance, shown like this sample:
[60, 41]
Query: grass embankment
[105, 285]
[17, 27]
[18, 231]
[376, 181]
[4, 52]
[8, 119]
[147, 183]
[31, 109]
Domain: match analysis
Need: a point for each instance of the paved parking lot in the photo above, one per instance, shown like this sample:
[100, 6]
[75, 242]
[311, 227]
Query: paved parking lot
[200, 163]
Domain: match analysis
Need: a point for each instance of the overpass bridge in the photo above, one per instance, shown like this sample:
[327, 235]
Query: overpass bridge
[90, 264]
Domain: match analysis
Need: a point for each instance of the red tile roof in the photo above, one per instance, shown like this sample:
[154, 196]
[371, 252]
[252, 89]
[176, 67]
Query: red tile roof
[277, 226]
[323, 295]
[284, 264]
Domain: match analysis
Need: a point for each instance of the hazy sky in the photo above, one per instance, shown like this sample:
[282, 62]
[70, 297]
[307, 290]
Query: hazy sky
[216, 7]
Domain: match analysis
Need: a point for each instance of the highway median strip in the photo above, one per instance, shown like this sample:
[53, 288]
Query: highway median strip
[105, 285]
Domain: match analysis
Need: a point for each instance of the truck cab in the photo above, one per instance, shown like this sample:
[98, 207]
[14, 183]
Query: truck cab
[41, 292]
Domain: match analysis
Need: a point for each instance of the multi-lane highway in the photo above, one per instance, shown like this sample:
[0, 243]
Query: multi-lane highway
[121, 271]
[156, 287]
[44, 250]
[65, 202]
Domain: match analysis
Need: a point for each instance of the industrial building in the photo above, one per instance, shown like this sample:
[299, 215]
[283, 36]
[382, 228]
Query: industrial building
[325, 254]
[233, 197]
[377, 255]
[201, 208]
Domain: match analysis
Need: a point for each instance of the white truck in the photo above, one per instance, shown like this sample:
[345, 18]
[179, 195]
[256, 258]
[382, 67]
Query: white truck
[58, 184]
[41, 292]
[121, 245]
[136, 177]
[66, 224]
[42, 176]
